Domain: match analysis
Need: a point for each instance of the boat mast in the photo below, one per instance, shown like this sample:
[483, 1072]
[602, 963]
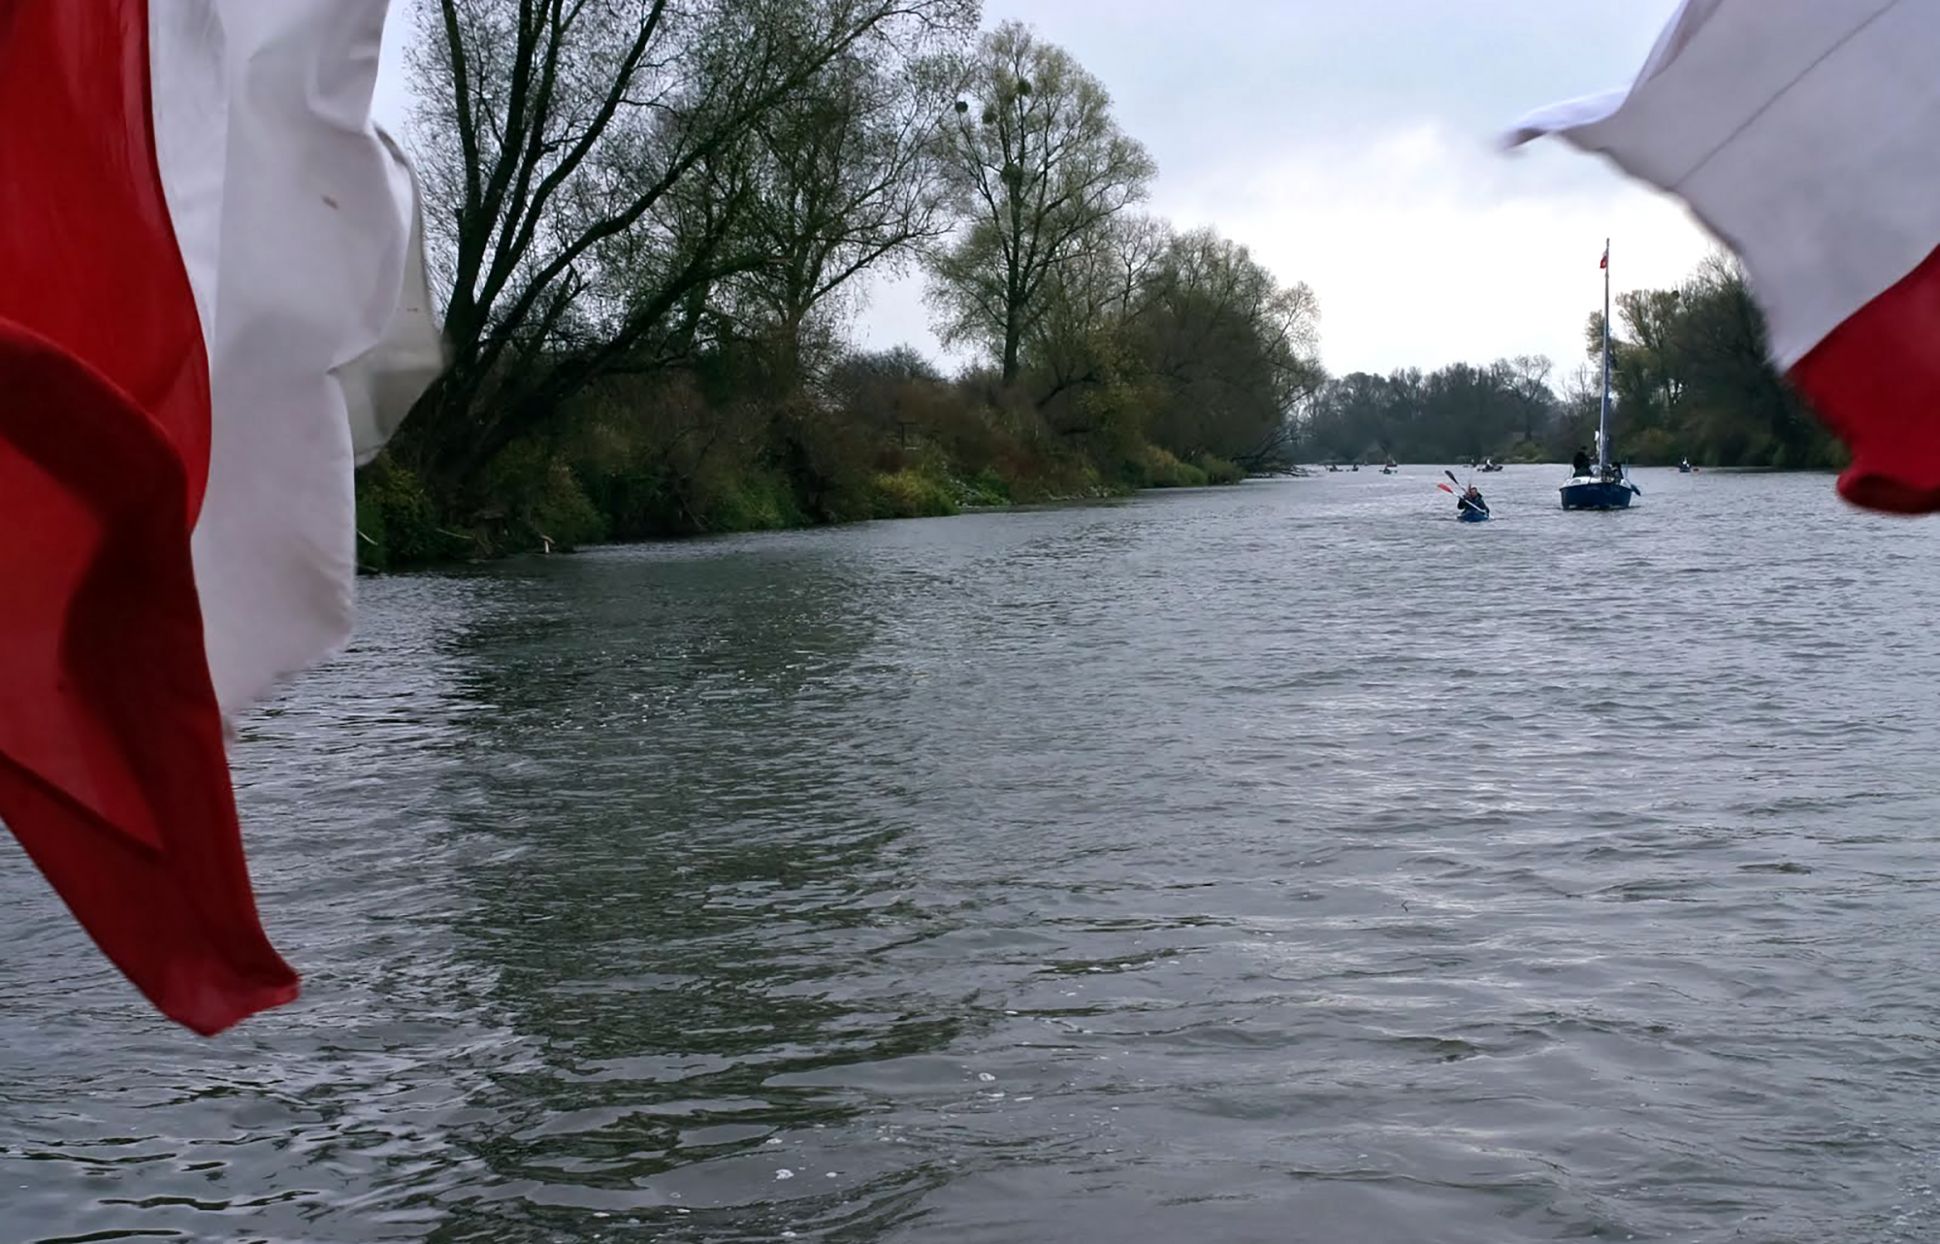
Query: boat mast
[1603, 416]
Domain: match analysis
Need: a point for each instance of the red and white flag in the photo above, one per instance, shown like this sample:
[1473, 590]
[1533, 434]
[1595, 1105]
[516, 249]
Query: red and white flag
[1605, 261]
[212, 305]
[1803, 133]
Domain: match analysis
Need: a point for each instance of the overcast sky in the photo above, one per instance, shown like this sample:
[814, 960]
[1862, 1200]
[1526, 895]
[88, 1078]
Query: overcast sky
[1351, 144]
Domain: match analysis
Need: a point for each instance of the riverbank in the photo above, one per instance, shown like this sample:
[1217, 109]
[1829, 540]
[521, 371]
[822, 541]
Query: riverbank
[550, 504]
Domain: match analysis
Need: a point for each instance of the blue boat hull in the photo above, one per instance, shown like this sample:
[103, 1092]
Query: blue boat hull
[1472, 516]
[1596, 494]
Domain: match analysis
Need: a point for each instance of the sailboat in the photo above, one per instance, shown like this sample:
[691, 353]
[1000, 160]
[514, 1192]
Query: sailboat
[1606, 486]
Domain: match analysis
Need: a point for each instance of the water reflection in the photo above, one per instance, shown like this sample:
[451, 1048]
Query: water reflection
[686, 896]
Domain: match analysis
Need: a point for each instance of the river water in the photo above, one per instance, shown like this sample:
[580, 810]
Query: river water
[1276, 863]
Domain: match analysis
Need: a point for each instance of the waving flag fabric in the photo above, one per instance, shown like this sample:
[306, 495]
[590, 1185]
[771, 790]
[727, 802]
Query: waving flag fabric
[208, 269]
[1804, 134]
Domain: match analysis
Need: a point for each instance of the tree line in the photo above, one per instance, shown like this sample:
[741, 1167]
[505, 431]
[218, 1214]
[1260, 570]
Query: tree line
[652, 219]
[1690, 378]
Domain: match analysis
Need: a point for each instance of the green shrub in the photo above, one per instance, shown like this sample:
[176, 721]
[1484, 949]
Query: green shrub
[713, 448]
[983, 488]
[538, 501]
[756, 501]
[563, 514]
[398, 524]
[912, 493]
[1152, 467]
[1218, 470]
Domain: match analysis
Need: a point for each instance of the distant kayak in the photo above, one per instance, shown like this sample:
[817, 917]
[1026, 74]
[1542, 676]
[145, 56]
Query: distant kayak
[1470, 505]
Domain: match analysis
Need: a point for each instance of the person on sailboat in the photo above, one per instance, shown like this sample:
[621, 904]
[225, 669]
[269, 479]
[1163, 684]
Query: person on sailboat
[1580, 465]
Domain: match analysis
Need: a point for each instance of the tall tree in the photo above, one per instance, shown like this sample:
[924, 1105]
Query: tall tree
[1039, 165]
[562, 143]
[1079, 338]
[1460, 412]
[846, 178]
[1235, 349]
[1647, 371]
[1526, 376]
[1735, 407]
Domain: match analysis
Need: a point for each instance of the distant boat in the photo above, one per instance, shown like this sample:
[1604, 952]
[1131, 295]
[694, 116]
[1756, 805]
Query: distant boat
[1684, 467]
[1489, 464]
[1607, 486]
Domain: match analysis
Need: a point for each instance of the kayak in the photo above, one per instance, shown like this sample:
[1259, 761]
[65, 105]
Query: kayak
[1471, 516]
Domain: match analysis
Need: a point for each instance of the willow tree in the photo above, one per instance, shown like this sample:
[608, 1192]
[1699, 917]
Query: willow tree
[1736, 407]
[588, 166]
[1038, 165]
[845, 180]
[1235, 350]
[1079, 336]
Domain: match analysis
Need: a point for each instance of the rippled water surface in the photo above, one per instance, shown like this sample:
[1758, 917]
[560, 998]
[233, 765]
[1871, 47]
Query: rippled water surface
[1276, 863]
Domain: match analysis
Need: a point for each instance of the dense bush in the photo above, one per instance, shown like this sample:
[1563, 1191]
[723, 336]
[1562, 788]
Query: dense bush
[639, 458]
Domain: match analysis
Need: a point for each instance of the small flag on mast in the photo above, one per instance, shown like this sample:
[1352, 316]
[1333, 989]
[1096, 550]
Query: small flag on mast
[1604, 262]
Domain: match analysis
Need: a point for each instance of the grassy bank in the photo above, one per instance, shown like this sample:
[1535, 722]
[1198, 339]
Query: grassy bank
[641, 462]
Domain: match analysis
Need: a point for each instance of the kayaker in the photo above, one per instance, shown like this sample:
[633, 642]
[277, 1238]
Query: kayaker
[1472, 500]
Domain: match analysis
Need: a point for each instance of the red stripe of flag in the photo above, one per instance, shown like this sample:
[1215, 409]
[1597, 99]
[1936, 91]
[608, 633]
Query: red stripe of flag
[112, 768]
[1875, 380]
